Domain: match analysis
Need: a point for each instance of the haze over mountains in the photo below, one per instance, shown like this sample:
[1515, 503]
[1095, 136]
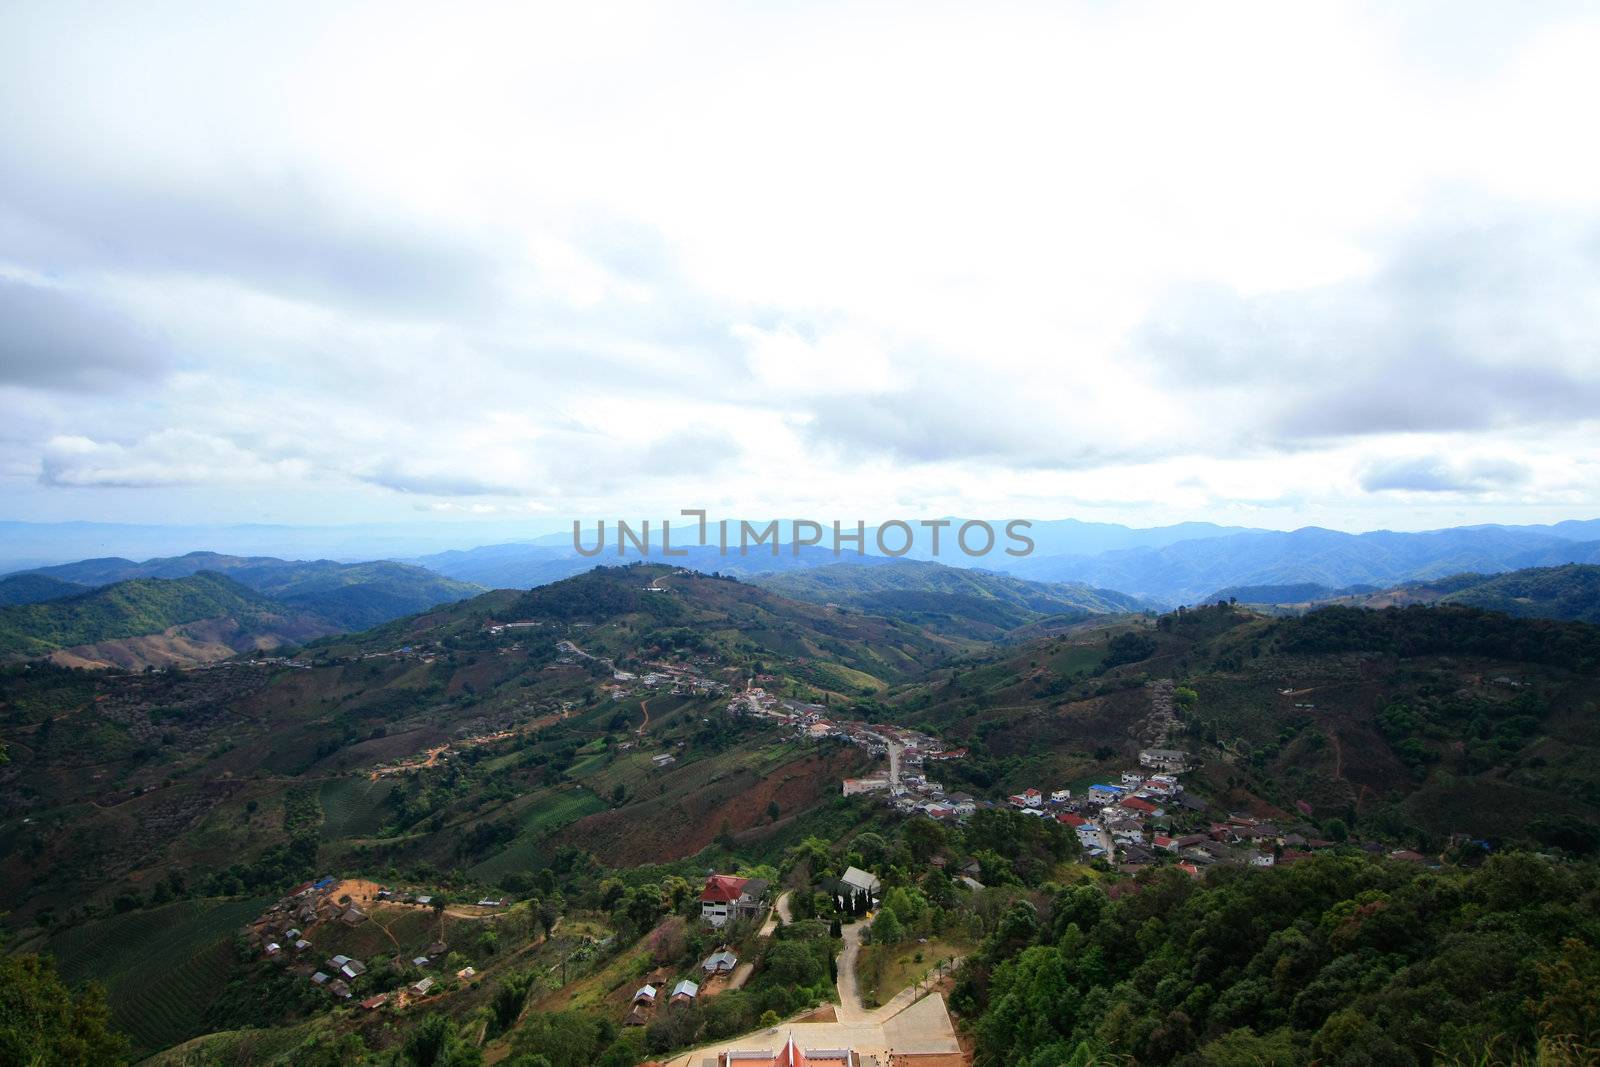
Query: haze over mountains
[1166, 565]
[202, 606]
[1163, 566]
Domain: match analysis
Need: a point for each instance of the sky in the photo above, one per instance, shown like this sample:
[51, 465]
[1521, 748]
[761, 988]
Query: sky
[1261, 264]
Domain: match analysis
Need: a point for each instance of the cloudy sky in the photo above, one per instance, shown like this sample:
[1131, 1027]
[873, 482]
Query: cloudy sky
[1274, 264]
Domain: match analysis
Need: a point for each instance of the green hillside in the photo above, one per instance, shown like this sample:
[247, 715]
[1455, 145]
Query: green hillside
[355, 596]
[959, 602]
[1292, 593]
[1570, 592]
[1422, 721]
[124, 609]
[691, 612]
[162, 967]
[35, 589]
[350, 596]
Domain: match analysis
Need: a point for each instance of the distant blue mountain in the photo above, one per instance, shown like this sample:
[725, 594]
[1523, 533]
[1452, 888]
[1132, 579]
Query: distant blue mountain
[1186, 571]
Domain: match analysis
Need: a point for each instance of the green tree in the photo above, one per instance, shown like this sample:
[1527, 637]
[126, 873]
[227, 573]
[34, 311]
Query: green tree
[792, 963]
[887, 929]
[43, 1024]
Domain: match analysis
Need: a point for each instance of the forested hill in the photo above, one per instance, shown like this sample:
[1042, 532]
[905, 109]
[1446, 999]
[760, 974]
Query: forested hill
[654, 606]
[349, 596]
[959, 601]
[126, 609]
[1571, 592]
[35, 588]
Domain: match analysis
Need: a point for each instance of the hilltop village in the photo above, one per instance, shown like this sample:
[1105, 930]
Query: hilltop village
[1144, 817]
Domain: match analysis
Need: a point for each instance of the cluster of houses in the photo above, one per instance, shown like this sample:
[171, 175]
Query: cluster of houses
[501, 627]
[904, 783]
[285, 933]
[423, 653]
[680, 679]
[1116, 821]
[645, 999]
[278, 929]
[724, 899]
[1130, 823]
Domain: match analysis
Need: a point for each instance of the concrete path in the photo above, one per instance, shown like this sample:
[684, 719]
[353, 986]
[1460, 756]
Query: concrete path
[780, 909]
[850, 1007]
[924, 1027]
[908, 1023]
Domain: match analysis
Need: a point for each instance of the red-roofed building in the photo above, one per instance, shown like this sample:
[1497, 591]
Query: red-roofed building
[1140, 805]
[1070, 819]
[718, 898]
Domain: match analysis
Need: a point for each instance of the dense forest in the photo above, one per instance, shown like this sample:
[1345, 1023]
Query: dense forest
[1342, 961]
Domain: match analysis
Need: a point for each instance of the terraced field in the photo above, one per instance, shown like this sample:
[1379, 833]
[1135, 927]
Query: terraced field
[523, 853]
[353, 807]
[234, 1046]
[161, 967]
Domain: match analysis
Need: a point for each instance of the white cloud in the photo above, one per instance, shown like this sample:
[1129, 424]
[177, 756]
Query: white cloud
[1143, 263]
[164, 459]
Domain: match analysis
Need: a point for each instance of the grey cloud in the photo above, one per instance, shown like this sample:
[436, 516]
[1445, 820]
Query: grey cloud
[1466, 325]
[928, 425]
[403, 478]
[277, 236]
[1437, 474]
[587, 463]
[66, 339]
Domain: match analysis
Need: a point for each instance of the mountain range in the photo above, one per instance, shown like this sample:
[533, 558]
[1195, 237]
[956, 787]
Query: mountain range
[202, 606]
[1162, 566]
[1186, 571]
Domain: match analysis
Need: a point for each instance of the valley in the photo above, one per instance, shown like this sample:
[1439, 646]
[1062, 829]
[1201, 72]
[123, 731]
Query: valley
[538, 781]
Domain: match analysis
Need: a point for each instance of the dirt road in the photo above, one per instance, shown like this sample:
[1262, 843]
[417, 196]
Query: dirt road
[850, 1007]
[780, 910]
